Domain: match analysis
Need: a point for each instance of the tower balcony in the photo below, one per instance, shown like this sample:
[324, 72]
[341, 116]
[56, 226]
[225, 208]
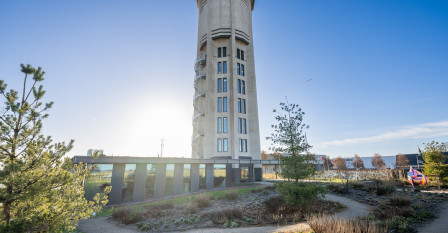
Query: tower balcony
[201, 61]
[198, 115]
[199, 134]
[199, 76]
[200, 93]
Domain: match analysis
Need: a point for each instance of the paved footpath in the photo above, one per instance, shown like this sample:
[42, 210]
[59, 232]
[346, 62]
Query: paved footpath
[439, 224]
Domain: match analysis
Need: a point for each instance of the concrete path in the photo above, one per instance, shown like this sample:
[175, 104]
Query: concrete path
[438, 225]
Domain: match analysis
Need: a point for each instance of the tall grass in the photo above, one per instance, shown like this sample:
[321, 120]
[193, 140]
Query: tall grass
[330, 224]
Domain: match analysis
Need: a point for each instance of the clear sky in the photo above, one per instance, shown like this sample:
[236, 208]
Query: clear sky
[121, 72]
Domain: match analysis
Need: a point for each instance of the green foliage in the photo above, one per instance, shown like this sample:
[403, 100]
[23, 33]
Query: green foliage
[297, 167]
[288, 136]
[300, 194]
[435, 160]
[39, 190]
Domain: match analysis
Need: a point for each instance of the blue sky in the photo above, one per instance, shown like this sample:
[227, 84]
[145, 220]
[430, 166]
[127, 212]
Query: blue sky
[121, 72]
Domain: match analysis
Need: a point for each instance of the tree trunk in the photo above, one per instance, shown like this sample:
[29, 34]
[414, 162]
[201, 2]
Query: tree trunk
[7, 206]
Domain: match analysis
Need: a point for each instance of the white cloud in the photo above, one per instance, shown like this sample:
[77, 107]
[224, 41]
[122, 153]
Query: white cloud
[427, 130]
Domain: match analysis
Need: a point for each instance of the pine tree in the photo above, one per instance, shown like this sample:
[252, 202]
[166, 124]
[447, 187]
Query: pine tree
[289, 138]
[39, 189]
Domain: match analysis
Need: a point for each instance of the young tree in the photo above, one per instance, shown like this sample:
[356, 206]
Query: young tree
[265, 156]
[288, 137]
[39, 191]
[340, 164]
[434, 160]
[402, 161]
[378, 162]
[358, 163]
[327, 164]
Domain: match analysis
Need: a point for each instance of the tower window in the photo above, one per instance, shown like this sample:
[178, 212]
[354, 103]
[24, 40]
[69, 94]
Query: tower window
[224, 124]
[219, 67]
[243, 106]
[224, 85]
[219, 85]
[243, 145]
[225, 145]
[219, 125]
[222, 52]
[239, 105]
[244, 126]
[219, 145]
[243, 87]
[219, 104]
[238, 68]
[242, 55]
[224, 104]
[224, 67]
[239, 86]
[242, 70]
[238, 53]
[240, 125]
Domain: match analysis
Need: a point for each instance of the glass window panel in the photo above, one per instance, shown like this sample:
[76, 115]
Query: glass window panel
[224, 125]
[244, 126]
[169, 183]
[224, 51]
[239, 86]
[219, 104]
[242, 70]
[219, 145]
[98, 180]
[224, 68]
[128, 183]
[225, 145]
[239, 125]
[224, 85]
[219, 67]
[241, 145]
[239, 105]
[150, 179]
[243, 106]
[245, 145]
[242, 55]
[243, 87]
[224, 107]
[238, 68]
[219, 52]
[238, 53]
[187, 168]
[219, 125]
[220, 175]
[201, 176]
[219, 85]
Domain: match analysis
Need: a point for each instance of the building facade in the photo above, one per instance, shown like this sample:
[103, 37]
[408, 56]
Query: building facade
[225, 119]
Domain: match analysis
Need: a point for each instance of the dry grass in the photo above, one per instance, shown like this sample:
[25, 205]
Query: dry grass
[202, 201]
[400, 201]
[126, 215]
[329, 224]
[223, 216]
[158, 210]
[232, 195]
